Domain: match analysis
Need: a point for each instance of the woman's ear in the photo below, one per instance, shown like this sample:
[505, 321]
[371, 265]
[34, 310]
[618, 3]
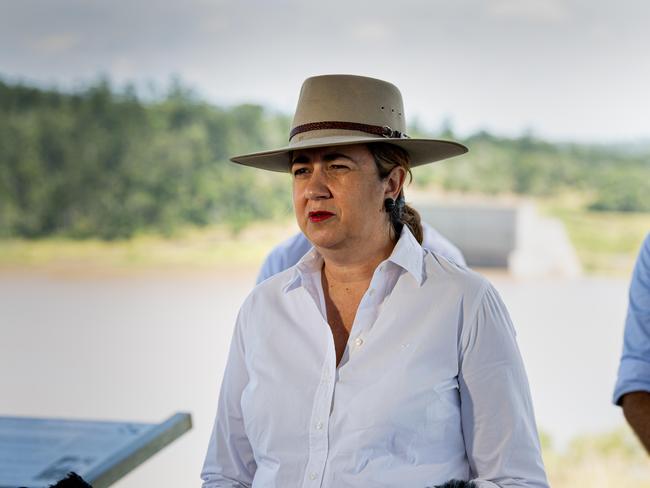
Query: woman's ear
[394, 182]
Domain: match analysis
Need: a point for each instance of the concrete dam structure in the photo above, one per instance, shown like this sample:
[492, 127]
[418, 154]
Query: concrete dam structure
[504, 235]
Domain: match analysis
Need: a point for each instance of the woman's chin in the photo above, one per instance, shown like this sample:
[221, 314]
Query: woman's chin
[323, 239]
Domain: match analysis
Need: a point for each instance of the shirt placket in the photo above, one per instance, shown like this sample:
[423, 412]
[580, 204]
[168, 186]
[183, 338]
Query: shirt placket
[366, 315]
[319, 423]
[368, 310]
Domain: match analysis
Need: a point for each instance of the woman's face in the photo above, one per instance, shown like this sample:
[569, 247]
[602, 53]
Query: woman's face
[338, 196]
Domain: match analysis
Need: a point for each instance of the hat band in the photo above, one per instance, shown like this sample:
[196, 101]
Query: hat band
[378, 130]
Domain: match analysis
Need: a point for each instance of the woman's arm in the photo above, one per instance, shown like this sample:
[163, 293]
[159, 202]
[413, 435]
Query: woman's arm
[496, 408]
[229, 462]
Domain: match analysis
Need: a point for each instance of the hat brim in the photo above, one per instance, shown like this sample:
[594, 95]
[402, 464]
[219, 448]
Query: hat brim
[421, 151]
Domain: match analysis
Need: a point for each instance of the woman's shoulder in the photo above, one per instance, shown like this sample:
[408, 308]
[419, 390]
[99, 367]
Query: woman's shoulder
[447, 278]
[270, 288]
[262, 302]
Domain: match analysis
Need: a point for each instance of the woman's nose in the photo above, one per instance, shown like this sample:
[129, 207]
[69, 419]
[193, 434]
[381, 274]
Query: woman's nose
[317, 188]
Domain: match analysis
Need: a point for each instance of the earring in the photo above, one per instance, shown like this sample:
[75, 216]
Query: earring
[389, 205]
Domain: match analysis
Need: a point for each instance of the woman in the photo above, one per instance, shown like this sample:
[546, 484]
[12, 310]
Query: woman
[370, 363]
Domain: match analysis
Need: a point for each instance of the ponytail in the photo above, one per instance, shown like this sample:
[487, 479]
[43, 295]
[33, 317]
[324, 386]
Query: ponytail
[411, 218]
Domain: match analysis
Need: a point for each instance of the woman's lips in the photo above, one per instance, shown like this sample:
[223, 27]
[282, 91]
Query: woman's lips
[320, 216]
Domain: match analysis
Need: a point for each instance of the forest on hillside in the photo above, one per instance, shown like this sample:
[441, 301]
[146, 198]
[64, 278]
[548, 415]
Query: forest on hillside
[105, 162]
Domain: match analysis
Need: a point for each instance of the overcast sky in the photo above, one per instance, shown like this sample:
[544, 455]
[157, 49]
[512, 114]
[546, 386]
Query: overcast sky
[565, 69]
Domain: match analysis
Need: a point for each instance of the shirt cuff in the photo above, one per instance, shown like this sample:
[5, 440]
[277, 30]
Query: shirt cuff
[633, 375]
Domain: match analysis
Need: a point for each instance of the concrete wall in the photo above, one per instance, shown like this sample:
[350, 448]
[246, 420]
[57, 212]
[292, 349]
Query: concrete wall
[485, 234]
[511, 236]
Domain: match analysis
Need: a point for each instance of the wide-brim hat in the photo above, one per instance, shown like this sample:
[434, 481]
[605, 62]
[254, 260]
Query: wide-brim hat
[336, 110]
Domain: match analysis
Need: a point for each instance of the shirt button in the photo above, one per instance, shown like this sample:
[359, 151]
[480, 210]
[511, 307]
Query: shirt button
[319, 425]
[313, 476]
[358, 342]
[371, 291]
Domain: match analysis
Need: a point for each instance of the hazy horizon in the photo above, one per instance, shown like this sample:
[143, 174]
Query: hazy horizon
[565, 70]
[151, 91]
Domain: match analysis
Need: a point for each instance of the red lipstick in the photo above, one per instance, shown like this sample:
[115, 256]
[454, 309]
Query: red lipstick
[320, 215]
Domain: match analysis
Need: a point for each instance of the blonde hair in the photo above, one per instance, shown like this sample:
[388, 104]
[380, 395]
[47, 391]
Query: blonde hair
[387, 156]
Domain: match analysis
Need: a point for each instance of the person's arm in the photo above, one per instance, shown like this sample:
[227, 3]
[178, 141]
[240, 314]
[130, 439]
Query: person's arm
[283, 256]
[229, 462]
[270, 266]
[497, 416]
[632, 390]
[636, 408]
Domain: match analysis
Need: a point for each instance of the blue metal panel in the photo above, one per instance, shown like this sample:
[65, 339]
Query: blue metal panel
[36, 453]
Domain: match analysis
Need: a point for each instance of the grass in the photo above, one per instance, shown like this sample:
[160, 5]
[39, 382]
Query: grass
[607, 243]
[609, 459]
[189, 249]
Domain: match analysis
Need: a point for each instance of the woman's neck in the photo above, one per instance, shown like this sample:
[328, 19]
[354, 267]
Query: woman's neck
[357, 264]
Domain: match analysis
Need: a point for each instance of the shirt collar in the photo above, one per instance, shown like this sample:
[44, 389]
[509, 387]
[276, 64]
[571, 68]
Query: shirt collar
[311, 262]
[406, 254]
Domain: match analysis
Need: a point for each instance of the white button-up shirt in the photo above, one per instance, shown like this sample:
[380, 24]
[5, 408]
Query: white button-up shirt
[431, 385]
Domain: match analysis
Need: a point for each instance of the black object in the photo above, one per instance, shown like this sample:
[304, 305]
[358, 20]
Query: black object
[457, 484]
[389, 205]
[73, 480]
[395, 207]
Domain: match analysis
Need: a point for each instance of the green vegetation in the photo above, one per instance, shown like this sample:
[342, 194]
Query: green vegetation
[189, 249]
[105, 164]
[613, 178]
[606, 242]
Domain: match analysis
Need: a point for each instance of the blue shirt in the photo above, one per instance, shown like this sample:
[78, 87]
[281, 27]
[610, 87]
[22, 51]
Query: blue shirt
[431, 385]
[289, 252]
[634, 370]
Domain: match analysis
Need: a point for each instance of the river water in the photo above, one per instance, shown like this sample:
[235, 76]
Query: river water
[139, 348]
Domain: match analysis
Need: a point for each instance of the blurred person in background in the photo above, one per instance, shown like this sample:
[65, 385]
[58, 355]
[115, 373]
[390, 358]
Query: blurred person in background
[372, 362]
[289, 252]
[632, 390]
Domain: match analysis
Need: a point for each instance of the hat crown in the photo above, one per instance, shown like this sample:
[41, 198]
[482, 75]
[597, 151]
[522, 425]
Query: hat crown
[339, 110]
[347, 98]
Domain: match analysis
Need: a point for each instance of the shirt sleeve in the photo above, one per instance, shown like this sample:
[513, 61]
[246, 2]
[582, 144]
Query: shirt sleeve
[229, 462]
[634, 369]
[497, 416]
